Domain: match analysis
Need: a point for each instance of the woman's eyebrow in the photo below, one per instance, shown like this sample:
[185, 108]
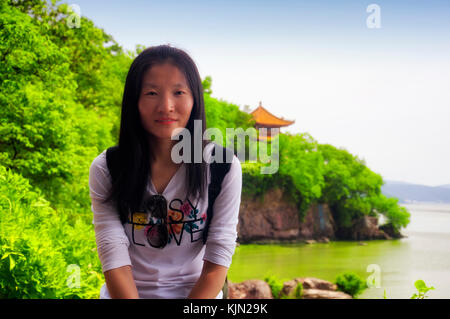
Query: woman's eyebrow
[155, 86]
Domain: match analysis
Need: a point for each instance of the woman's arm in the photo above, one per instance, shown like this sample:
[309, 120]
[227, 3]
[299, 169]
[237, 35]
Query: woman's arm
[120, 283]
[111, 239]
[210, 282]
[222, 235]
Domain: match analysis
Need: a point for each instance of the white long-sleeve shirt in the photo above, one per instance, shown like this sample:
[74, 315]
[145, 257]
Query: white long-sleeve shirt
[170, 272]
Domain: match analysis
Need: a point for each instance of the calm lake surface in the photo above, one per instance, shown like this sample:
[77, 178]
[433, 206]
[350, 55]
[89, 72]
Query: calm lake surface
[423, 254]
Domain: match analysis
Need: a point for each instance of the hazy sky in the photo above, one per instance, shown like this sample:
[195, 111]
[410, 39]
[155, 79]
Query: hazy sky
[381, 93]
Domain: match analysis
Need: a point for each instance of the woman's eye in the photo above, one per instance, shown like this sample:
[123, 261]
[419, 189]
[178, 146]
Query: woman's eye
[150, 93]
[180, 92]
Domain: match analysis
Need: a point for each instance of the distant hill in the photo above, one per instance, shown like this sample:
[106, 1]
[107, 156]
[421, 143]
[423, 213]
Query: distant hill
[407, 193]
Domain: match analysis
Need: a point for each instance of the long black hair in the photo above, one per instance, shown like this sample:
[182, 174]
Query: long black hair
[132, 155]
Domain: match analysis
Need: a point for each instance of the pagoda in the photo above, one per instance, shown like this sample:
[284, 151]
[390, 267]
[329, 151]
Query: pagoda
[265, 119]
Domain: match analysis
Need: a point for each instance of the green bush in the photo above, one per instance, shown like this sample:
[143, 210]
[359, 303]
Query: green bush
[37, 246]
[275, 284]
[298, 292]
[350, 283]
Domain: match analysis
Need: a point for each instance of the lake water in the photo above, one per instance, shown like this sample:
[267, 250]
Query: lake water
[423, 254]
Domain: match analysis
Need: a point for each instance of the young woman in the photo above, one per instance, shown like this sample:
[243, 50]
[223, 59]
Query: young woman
[150, 218]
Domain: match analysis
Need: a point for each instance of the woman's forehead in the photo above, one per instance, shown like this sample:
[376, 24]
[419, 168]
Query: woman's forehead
[154, 85]
[163, 75]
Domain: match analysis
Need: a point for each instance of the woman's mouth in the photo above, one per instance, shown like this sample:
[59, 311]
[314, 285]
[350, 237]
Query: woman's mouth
[166, 121]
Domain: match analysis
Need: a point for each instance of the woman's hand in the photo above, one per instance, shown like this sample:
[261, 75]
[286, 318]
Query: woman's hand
[210, 282]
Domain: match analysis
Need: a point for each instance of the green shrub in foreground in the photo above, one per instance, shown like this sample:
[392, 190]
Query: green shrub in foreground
[37, 246]
[350, 283]
[275, 284]
[298, 292]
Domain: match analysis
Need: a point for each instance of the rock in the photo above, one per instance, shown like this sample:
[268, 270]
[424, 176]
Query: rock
[310, 241]
[308, 283]
[389, 230]
[272, 218]
[316, 283]
[364, 228]
[323, 240]
[318, 223]
[289, 286]
[324, 294]
[249, 289]
[313, 288]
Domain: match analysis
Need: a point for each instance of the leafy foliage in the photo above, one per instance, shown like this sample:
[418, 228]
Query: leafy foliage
[352, 190]
[53, 122]
[37, 245]
[397, 215]
[300, 173]
[46, 135]
[222, 115]
[350, 283]
[298, 292]
[422, 289]
[276, 285]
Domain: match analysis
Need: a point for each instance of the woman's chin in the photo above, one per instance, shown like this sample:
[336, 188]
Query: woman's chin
[167, 135]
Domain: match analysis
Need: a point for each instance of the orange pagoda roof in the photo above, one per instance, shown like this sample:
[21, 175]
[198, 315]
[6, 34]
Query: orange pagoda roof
[264, 117]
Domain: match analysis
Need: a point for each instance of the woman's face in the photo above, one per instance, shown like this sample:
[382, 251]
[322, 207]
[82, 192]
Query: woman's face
[166, 101]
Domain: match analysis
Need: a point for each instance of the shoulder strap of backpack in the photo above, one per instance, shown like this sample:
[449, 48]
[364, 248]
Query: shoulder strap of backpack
[217, 173]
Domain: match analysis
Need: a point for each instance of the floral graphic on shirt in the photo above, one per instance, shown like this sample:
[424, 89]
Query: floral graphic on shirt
[179, 219]
[186, 208]
[139, 218]
[191, 226]
[172, 218]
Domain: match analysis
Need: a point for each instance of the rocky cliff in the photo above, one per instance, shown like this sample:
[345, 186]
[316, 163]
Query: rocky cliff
[273, 218]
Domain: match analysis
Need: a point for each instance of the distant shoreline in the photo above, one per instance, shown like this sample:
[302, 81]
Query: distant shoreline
[428, 206]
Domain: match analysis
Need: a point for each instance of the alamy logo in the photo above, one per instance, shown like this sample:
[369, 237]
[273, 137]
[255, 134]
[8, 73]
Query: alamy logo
[74, 19]
[374, 19]
[374, 279]
[258, 148]
[73, 280]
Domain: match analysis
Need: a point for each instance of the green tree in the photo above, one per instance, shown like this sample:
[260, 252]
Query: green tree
[60, 98]
[302, 164]
[206, 83]
[352, 190]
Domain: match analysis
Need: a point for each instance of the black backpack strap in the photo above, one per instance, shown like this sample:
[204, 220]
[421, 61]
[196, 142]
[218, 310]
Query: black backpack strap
[217, 173]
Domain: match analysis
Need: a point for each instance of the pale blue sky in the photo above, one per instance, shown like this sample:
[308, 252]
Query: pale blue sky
[383, 94]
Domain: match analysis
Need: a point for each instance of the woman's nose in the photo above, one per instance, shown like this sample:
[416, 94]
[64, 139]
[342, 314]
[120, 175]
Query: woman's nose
[166, 103]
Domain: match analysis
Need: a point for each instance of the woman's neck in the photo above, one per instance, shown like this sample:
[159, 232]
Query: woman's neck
[161, 150]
